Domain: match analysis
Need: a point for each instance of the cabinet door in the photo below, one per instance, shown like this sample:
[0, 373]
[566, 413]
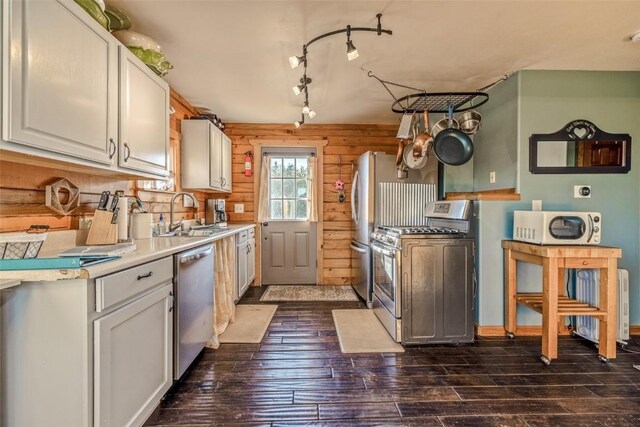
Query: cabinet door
[226, 163]
[242, 268]
[60, 80]
[251, 261]
[133, 359]
[215, 154]
[144, 117]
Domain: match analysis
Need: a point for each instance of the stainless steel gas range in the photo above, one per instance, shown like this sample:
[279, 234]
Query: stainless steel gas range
[423, 277]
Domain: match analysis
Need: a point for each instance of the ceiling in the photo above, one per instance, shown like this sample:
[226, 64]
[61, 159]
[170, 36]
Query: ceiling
[232, 56]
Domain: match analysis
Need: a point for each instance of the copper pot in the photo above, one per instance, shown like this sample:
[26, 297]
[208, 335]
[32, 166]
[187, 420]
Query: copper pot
[422, 143]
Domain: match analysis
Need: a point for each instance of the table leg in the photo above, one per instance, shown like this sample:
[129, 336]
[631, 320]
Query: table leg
[561, 292]
[509, 292]
[550, 308]
[608, 290]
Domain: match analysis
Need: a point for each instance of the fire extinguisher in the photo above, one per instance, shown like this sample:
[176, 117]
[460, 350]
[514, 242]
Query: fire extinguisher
[248, 157]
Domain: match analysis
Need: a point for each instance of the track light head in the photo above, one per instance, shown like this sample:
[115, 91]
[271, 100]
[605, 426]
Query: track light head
[295, 61]
[312, 114]
[352, 52]
[304, 81]
[299, 123]
[297, 89]
[306, 109]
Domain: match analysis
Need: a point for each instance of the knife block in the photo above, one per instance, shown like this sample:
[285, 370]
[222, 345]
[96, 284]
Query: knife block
[102, 231]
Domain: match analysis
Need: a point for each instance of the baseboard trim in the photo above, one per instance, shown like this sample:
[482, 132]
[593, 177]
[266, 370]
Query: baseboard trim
[522, 331]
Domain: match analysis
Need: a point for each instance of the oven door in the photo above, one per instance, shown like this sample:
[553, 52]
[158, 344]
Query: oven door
[386, 277]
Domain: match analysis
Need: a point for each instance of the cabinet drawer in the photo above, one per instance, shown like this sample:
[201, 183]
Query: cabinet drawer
[241, 236]
[120, 286]
[252, 233]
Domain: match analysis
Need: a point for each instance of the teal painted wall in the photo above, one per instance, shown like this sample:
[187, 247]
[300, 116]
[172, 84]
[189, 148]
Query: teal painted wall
[546, 101]
[496, 144]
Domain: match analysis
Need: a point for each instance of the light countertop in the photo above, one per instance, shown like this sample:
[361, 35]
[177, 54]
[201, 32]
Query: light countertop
[146, 250]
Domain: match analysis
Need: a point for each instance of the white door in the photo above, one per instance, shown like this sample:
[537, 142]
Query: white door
[225, 163]
[215, 160]
[62, 75]
[288, 249]
[144, 117]
[133, 365]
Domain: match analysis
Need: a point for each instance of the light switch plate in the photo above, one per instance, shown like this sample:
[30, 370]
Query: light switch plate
[238, 208]
[536, 205]
[492, 177]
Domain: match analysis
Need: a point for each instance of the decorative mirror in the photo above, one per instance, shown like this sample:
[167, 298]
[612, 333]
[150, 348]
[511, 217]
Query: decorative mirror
[580, 147]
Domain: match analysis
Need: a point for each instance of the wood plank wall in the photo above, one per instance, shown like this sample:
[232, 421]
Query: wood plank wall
[22, 185]
[344, 142]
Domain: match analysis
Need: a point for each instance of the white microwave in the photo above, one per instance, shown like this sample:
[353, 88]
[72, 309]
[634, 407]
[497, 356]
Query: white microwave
[557, 228]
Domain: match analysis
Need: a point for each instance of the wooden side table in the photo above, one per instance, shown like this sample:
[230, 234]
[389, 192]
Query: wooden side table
[552, 302]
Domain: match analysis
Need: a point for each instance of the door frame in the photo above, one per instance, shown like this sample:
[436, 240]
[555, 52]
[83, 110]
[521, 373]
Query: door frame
[257, 146]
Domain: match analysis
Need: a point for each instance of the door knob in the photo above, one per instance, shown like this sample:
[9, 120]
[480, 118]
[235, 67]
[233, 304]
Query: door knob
[265, 223]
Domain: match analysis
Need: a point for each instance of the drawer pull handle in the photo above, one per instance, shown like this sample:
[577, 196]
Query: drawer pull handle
[144, 276]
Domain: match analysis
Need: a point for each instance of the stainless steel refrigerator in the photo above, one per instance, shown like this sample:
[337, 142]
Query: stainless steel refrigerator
[378, 197]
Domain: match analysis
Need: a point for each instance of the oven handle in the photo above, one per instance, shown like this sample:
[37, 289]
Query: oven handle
[590, 227]
[384, 251]
[357, 249]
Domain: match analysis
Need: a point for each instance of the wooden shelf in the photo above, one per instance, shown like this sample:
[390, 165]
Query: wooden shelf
[505, 194]
[566, 306]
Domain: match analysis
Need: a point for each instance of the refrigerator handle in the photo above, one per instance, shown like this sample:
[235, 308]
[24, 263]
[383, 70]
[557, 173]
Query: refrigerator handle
[354, 185]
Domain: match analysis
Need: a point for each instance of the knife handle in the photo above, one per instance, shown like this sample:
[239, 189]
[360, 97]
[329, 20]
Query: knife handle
[104, 199]
[114, 218]
[114, 203]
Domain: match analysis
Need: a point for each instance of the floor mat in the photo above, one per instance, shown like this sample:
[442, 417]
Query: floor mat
[309, 293]
[360, 331]
[251, 324]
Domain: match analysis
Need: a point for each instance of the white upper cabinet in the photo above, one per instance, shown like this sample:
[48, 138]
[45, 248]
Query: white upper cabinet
[61, 84]
[72, 92]
[144, 117]
[206, 157]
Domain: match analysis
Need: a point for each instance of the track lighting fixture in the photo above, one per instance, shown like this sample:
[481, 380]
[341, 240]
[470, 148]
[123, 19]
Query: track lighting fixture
[295, 61]
[297, 89]
[352, 53]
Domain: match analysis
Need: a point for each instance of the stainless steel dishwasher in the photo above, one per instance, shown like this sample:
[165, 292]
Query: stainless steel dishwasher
[194, 286]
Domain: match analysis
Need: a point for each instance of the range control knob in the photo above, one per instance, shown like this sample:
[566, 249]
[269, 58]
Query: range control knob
[596, 219]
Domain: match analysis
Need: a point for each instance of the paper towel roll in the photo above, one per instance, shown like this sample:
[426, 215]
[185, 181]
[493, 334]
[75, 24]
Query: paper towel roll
[123, 219]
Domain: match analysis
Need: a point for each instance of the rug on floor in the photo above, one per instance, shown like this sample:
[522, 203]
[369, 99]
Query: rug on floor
[360, 331]
[309, 293]
[251, 324]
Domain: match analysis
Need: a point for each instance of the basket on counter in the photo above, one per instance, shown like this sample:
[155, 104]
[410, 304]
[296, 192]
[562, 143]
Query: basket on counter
[21, 245]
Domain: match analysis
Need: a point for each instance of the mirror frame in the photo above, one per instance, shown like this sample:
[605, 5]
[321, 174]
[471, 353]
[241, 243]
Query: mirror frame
[578, 130]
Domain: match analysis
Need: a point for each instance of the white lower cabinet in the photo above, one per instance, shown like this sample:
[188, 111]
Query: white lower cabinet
[133, 359]
[245, 261]
[95, 352]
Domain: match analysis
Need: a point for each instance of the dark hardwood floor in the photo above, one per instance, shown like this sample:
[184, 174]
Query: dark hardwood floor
[298, 376]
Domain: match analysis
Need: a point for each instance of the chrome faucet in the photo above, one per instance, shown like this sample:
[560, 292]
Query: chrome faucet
[196, 205]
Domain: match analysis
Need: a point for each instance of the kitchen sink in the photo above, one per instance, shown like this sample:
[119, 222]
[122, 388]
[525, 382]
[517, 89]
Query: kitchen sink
[202, 231]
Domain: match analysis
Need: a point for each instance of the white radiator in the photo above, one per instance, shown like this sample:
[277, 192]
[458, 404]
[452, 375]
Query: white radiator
[587, 291]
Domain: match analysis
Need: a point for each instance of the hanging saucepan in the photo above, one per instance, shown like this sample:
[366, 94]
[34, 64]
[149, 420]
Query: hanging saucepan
[423, 142]
[470, 122]
[399, 152]
[452, 146]
[443, 124]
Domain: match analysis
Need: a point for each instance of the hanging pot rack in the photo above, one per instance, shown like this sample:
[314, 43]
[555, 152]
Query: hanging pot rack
[436, 102]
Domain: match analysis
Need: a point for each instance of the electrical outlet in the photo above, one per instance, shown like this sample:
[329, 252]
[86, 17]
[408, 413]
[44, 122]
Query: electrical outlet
[581, 191]
[492, 177]
[536, 205]
[238, 208]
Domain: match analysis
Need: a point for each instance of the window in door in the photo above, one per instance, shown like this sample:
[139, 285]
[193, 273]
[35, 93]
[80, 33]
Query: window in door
[289, 196]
